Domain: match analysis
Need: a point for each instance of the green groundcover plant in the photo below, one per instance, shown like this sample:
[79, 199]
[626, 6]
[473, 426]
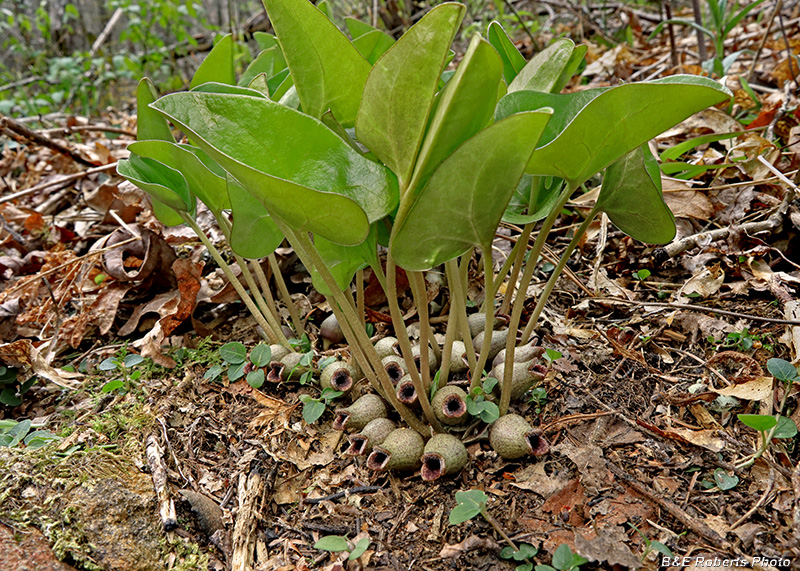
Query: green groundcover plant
[340, 144]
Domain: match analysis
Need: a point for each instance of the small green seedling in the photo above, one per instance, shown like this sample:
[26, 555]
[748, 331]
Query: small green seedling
[477, 405]
[313, 408]
[525, 551]
[12, 389]
[551, 355]
[122, 364]
[742, 340]
[234, 354]
[642, 274]
[473, 502]
[564, 560]
[651, 545]
[538, 398]
[777, 426]
[337, 544]
[13, 433]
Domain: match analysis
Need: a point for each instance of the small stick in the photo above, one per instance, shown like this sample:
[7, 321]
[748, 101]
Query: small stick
[158, 470]
[673, 51]
[252, 490]
[34, 137]
[64, 181]
[675, 510]
[701, 309]
[760, 501]
[64, 131]
[106, 32]
[763, 41]
[701, 42]
[522, 23]
[344, 494]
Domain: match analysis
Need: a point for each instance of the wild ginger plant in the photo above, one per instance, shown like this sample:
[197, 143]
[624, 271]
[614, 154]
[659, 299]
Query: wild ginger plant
[367, 142]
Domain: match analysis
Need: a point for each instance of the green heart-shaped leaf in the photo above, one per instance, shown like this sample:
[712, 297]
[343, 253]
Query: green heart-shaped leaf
[373, 45]
[163, 183]
[631, 196]
[543, 71]
[328, 71]
[465, 198]
[592, 129]
[344, 261]
[150, 124]
[218, 65]
[464, 107]
[533, 200]
[513, 61]
[254, 234]
[400, 90]
[206, 179]
[268, 62]
[302, 172]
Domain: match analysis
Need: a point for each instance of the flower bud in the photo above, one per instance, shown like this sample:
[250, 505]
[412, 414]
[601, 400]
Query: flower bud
[444, 455]
[522, 354]
[407, 392]
[458, 358]
[357, 415]
[401, 450]
[511, 436]
[497, 344]
[386, 347]
[373, 434]
[523, 377]
[450, 405]
[338, 376]
[433, 363]
[330, 331]
[395, 367]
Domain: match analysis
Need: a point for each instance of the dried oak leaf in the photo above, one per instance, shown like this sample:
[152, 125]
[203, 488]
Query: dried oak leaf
[150, 257]
[471, 543]
[22, 353]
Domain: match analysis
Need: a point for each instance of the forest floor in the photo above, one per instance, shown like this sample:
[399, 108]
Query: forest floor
[660, 348]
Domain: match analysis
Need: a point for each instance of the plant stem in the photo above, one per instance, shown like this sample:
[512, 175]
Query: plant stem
[354, 333]
[405, 346]
[551, 283]
[519, 299]
[419, 291]
[266, 310]
[493, 522]
[518, 254]
[488, 304]
[447, 350]
[285, 295]
[360, 297]
[458, 308]
[266, 330]
[263, 283]
[766, 439]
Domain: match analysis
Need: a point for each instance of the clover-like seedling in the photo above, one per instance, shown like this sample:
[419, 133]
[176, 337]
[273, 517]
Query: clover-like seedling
[124, 366]
[564, 560]
[313, 408]
[337, 543]
[525, 551]
[478, 406]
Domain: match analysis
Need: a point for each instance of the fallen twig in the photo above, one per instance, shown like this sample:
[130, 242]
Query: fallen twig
[158, 470]
[252, 489]
[34, 137]
[61, 181]
[344, 494]
[699, 308]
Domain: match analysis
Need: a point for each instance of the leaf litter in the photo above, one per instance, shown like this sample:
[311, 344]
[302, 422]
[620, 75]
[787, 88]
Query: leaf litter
[82, 276]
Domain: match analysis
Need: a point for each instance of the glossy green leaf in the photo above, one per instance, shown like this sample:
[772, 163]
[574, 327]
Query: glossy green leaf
[269, 62]
[332, 543]
[470, 190]
[513, 61]
[468, 505]
[760, 422]
[543, 71]
[264, 40]
[280, 85]
[205, 178]
[325, 7]
[592, 129]
[533, 200]
[786, 428]
[312, 411]
[225, 89]
[724, 481]
[569, 70]
[163, 183]
[465, 107]
[261, 84]
[234, 352]
[631, 196]
[261, 355]
[150, 124]
[373, 45]
[782, 370]
[357, 28]
[218, 65]
[344, 261]
[328, 71]
[400, 89]
[300, 170]
[254, 233]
